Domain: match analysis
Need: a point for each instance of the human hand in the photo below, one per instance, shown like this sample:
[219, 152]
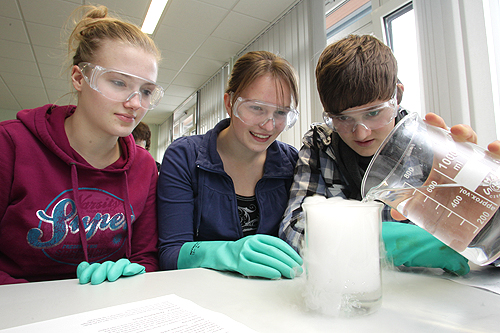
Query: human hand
[265, 256]
[460, 133]
[96, 273]
[494, 148]
[397, 215]
[256, 255]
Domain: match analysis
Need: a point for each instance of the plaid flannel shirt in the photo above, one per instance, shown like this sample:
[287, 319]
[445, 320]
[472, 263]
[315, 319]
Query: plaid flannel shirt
[316, 173]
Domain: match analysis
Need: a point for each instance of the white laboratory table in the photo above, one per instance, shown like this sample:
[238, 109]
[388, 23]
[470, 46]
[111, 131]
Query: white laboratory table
[411, 302]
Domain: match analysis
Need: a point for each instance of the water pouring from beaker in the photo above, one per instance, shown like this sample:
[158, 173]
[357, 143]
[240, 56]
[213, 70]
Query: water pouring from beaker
[451, 189]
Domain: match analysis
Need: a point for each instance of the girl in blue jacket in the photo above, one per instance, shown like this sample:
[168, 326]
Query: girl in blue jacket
[221, 195]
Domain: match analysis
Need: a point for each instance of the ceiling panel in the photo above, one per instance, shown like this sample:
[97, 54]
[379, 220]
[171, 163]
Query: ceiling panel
[55, 72]
[29, 98]
[179, 91]
[228, 4]
[171, 101]
[237, 27]
[9, 9]
[44, 35]
[62, 97]
[165, 76]
[190, 80]
[196, 37]
[61, 85]
[131, 8]
[8, 100]
[15, 50]
[217, 48]
[21, 80]
[18, 66]
[203, 66]
[13, 30]
[203, 18]
[261, 9]
[48, 55]
[52, 13]
[177, 39]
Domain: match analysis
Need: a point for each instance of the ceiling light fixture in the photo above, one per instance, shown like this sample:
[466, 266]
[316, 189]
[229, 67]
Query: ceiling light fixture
[153, 16]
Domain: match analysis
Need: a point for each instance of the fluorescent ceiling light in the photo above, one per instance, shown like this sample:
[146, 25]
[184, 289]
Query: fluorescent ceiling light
[153, 16]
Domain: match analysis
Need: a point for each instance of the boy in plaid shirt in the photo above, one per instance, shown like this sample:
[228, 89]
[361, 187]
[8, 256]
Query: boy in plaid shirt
[357, 83]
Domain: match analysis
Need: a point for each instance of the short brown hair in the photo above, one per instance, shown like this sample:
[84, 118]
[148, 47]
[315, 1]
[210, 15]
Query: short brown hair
[354, 71]
[253, 65]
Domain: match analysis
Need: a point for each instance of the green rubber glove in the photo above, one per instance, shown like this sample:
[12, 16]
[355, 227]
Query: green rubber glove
[97, 273]
[257, 255]
[412, 246]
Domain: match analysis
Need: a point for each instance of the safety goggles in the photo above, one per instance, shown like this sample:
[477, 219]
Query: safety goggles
[254, 112]
[370, 117]
[120, 86]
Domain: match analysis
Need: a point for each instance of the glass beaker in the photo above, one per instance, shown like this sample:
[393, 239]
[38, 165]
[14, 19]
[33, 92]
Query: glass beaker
[451, 189]
[342, 256]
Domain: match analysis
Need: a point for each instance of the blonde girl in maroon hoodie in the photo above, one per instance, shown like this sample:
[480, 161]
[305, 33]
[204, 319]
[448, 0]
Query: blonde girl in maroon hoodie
[76, 191]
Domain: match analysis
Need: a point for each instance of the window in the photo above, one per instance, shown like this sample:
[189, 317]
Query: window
[184, 119]
[340, 14]
[401, 37]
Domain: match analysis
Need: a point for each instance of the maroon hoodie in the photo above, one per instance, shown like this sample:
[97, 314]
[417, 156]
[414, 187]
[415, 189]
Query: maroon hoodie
[49, 194]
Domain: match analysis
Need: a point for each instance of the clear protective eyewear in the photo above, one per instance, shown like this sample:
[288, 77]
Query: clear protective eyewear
[254, 112]
[120, 86]
[370, 117]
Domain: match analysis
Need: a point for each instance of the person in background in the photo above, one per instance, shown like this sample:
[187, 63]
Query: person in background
[142, 137]
[221, 195]
[357, 79]
[78, 198]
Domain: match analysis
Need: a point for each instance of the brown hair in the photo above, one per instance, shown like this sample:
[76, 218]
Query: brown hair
[253, 65]
[97, 26]
[142, 132]
[354, 71]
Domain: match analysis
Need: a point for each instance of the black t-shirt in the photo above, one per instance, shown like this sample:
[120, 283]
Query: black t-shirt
[249, 214]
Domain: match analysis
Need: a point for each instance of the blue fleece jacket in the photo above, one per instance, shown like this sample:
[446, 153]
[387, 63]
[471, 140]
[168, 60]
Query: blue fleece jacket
[197, 200]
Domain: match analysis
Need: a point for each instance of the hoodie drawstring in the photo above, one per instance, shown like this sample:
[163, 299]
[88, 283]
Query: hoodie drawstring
[128, 217]
[81, 227]
[82, 233]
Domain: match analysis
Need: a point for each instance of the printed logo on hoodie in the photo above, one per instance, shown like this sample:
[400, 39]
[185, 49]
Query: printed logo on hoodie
[104, 221]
